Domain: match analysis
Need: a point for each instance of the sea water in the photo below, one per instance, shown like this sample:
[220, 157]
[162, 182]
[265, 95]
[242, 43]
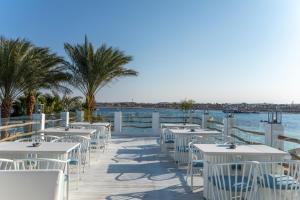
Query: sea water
[249, 121]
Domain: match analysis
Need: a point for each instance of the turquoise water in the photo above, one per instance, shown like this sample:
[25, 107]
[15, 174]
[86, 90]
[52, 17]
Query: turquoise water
[249, 121]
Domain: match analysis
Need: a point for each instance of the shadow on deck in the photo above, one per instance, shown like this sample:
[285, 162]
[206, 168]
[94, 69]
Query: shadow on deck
[133, 168]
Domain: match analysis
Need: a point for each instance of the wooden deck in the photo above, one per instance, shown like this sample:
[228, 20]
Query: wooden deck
[132, 168]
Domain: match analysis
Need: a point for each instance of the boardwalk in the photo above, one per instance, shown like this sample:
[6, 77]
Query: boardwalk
[133, 169]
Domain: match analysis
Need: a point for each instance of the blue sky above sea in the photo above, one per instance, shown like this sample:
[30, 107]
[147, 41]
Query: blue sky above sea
[210, 51]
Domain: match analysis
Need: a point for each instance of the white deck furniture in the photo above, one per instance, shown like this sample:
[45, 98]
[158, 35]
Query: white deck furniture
[32, 185]
[179, 125]
[72, 131]
[84, 149]
[106, 135]
[95, 125]
[20, 150]
[279, 180]
[183, 137]
[6, 164]
[217, 153]
[106, 124]
[167, 138]
[38, 138]
[233, 181]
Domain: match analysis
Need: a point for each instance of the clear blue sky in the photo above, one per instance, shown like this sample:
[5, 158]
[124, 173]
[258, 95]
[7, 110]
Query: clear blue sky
[210, 51]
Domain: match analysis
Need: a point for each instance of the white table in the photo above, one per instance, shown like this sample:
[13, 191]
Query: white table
[96, 125]
[106, 124]
[20, 150]
[32, 185]
[179, 125]
[197, 131]
[166, 135]
[215, 153]
[72, 131]
[183, 137]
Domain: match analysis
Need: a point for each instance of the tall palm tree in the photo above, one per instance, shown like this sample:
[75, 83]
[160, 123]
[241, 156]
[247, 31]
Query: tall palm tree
[93, 68]
[51, 74]
[53, 103]
[16, 59]
[25, 68]
[71, 102]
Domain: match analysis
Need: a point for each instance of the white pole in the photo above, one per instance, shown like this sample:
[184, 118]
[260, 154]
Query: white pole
[65, 119]
[155, 121]
[40, 119]
[118, 122]
[228, 125]
[272, 131]
[205, 117]
[79, 115]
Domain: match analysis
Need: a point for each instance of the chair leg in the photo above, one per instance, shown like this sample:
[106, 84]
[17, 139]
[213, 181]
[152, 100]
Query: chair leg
[192, 181]
[78, 176]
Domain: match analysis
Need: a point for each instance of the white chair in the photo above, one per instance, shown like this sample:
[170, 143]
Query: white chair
[195, 164]
[6, 164]
[82, 151]
[99, 139]
[233, 181]
[279, 180]
[168, 140]
[32, 185]
[181, 151]
[28, 139]
[41, 163]
[49, 138]
[44, 164]
[38, 138]
[77, 127]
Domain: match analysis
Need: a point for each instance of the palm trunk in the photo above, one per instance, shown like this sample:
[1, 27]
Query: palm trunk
[5, 114]
[90, 102]
[30, 102]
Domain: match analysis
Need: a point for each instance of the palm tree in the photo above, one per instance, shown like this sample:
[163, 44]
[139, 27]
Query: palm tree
[51, 74]
[16, 60]
[25, 68]
[54, 103]
[93, 68]
[71, 103]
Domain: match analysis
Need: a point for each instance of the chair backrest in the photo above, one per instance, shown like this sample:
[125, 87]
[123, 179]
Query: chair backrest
[280, 180]
[33, 185]
[100, 134]
[49, 138]
[6, 164]
[77, 127]
[28, 139]
[38, 138]
[233, 180]
[168, 135]
[40, 163]
[83, 148]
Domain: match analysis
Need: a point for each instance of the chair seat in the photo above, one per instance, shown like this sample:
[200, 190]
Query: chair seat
[279, 182]
[73, 162]
[94, 142]
[236, 167]
[169, 142]
[233, 183]
[184, 149]
[198, 163]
